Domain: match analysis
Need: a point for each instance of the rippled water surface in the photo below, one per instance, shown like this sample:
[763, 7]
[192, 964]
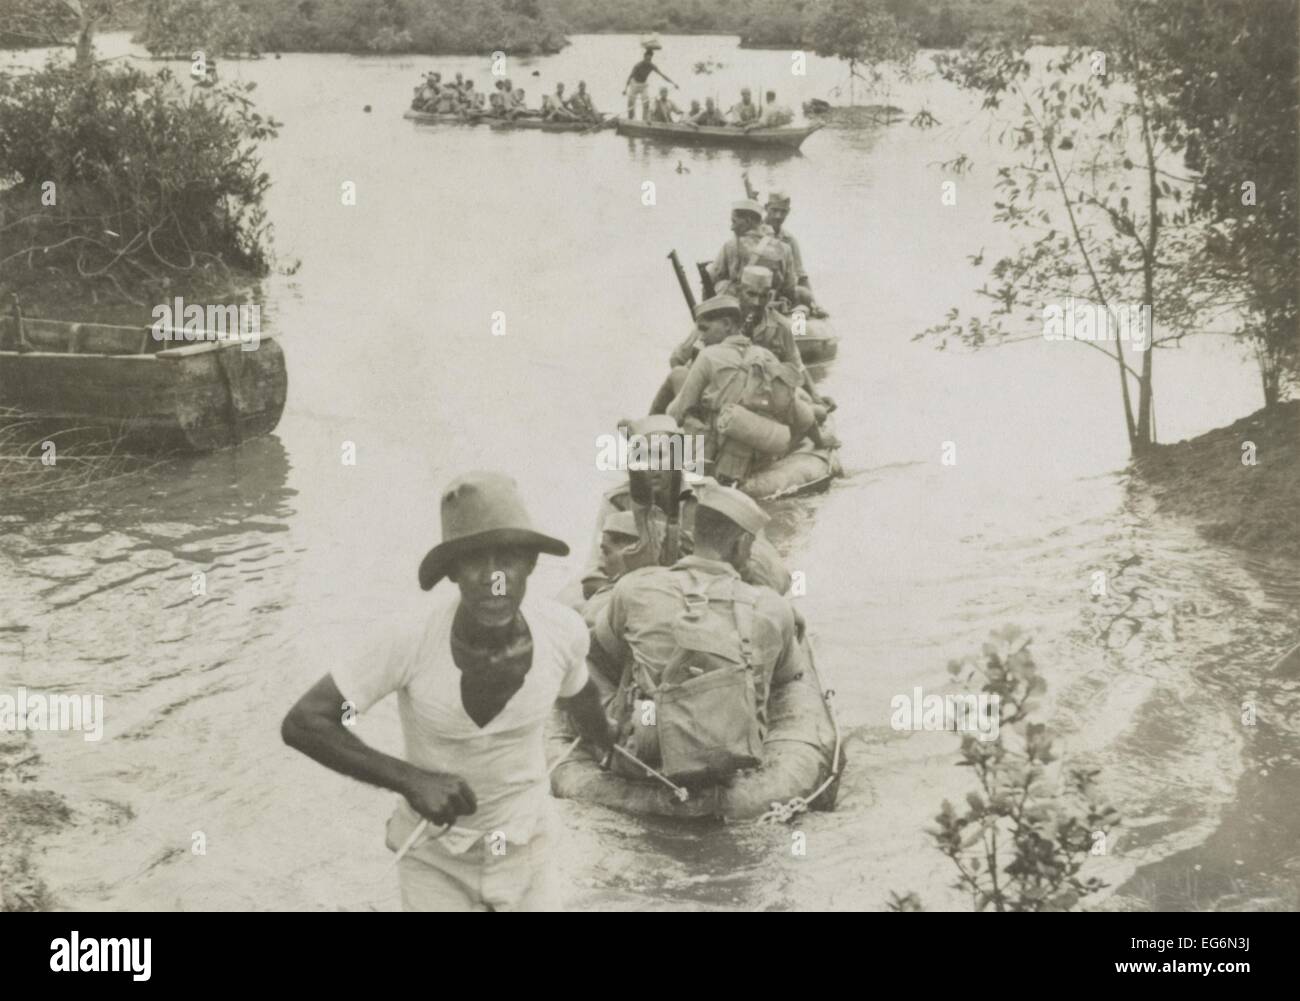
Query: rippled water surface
[387, 330]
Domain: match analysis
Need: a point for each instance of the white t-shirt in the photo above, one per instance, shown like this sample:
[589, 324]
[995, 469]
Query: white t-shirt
[504, 762]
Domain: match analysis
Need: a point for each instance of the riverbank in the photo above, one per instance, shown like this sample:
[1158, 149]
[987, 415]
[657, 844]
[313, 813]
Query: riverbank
[1249, 862]
[1239, 484]
[26, 814]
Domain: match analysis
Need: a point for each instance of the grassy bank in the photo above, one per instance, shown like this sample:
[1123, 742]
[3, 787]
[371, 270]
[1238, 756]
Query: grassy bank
[1253, 507]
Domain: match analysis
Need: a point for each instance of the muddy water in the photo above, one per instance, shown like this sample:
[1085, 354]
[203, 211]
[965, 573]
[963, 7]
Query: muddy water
[388, 331]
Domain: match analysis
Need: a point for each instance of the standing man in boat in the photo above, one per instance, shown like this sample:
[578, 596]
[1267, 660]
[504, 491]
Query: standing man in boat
[637, 85]
[474, 683]
[698, 615]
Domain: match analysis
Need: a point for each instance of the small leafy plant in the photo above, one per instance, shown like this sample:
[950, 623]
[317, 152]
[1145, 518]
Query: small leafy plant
[1026, 833]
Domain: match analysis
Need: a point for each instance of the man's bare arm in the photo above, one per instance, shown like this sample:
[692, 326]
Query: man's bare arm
[315, 727]
[589, 716]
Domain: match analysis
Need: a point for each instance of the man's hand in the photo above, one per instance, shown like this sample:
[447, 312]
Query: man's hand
[439, 797]
[828, 403]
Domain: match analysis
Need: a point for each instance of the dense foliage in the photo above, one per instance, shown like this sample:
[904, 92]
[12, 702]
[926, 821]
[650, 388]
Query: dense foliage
[1231, 78]
[125, 182]
[523, 26]
[430, 26]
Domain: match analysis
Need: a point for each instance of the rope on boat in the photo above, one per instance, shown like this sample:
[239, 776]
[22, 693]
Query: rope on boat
[783, 813]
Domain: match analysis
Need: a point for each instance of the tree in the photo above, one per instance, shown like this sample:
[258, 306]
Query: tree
[1106, 221]
[125, 182]
[177, 28]
[866, 34]
[1228, 70]
[53, 22]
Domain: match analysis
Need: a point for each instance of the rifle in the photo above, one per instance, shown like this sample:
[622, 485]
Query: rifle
[673, 508]
[750, 191]
[706, 280]
[685, 285]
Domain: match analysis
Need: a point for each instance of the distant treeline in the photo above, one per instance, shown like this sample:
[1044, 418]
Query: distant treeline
[789, 23]
[174, 27]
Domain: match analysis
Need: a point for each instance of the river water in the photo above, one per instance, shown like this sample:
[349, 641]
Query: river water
[387, 326]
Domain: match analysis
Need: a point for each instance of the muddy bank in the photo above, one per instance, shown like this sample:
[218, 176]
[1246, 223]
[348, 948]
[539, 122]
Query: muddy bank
[1252, 860]
[27, 812]
[1210, 480]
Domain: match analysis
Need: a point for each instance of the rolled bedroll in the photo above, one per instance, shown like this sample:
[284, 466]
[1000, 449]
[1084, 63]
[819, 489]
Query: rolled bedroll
[802, 745]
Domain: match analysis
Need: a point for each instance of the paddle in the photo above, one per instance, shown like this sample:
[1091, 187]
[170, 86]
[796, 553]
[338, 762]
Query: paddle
[600, 124]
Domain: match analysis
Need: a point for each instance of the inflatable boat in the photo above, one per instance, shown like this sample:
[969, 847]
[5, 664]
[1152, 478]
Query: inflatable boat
[806, 470]
[819, 343]
[803, 759]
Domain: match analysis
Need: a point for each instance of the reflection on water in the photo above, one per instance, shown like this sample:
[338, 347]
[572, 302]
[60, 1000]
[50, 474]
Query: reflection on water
[388, 328]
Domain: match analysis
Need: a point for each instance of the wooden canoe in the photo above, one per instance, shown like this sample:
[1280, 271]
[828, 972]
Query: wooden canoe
[787, 137]
[440, 118]
[540, 125]
[152, 395]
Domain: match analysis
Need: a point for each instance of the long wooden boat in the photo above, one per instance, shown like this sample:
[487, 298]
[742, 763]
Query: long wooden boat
[445, 118]
[786, 137]
[152, 395]
[542, 125]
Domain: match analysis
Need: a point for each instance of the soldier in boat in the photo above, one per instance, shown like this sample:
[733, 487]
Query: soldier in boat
[746, 112]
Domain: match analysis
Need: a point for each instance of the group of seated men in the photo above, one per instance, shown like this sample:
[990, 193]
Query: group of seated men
[745, 114]
[670, 539]
[458, 97]
[738, 378]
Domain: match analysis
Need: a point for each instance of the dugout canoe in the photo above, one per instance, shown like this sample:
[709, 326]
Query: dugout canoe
[538, 125]
[803, 760]
[151, 395]
[786, 137]
[444, 118]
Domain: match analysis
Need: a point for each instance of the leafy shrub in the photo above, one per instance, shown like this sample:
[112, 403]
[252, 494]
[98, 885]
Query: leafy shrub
[124, 181]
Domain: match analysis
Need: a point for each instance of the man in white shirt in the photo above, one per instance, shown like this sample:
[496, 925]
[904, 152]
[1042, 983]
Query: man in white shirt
[475, 684]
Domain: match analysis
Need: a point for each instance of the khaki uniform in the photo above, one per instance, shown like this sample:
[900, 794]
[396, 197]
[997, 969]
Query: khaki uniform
[764, 568]
[774, 332]
[735, 254]
[635, 630]
[717, 379]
